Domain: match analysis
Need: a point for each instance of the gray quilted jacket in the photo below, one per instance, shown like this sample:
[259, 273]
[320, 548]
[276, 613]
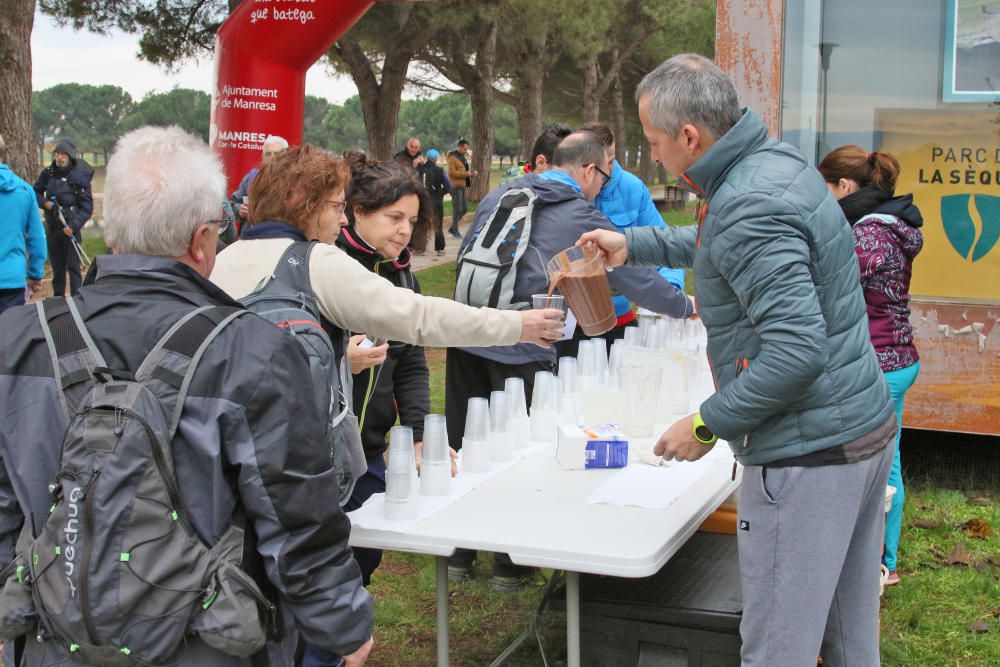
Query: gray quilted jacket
[778, 288]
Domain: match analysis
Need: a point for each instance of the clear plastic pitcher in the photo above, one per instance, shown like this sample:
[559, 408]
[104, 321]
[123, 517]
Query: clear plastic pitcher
[580, 275]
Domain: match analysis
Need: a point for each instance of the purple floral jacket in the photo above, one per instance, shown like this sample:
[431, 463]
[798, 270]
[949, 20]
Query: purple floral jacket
[886, 246]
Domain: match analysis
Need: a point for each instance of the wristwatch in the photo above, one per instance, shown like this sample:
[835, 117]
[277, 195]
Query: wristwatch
[701, 432]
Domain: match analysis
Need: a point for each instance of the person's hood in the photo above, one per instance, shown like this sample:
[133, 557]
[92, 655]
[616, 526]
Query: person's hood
[898, 215]
[549, 191]
[9, 181]
[351, 242]
[904, 209]
[65, 146]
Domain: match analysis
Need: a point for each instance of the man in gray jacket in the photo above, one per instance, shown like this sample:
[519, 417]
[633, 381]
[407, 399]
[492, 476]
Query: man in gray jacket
[250, 442]
[800, 397]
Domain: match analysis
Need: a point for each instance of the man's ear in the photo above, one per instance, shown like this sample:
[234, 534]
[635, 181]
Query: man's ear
[692, 138]
[541, 163]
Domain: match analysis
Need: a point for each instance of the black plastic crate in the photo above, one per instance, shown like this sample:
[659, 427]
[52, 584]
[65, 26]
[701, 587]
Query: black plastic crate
[686, 615]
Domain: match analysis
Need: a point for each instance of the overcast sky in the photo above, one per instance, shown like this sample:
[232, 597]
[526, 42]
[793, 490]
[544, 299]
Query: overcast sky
[63, 55]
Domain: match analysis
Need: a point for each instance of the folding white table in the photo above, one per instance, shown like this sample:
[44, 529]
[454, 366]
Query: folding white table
[538, 513]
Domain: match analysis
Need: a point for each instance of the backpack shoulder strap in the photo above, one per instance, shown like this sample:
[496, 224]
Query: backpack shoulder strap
[71, 348]
[292, 270]
[170, 366]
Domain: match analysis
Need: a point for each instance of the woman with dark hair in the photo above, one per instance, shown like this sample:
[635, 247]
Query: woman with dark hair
[385, 202]
[886, 238]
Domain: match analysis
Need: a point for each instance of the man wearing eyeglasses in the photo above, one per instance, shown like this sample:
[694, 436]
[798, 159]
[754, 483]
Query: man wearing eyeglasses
[240, 199]
[563, 211]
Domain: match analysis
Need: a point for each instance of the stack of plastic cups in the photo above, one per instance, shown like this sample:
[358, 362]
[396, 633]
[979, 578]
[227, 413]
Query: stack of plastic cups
[586, 365]
[570, 397]
[401, 485]
[615, 362]
[435, 466]
[520, 425]
[632, 337]
[601, 356]
[476, 442]
[647, 321]
[502, 449]
[544, 407]
[663, 333]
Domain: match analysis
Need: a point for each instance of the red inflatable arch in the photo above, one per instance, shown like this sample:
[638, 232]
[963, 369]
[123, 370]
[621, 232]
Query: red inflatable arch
[262, 53]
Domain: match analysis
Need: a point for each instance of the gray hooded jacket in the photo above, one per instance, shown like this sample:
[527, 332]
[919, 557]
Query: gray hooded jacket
[778, 289]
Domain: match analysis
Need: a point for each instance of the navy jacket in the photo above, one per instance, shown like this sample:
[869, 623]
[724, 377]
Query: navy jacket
[71, 188]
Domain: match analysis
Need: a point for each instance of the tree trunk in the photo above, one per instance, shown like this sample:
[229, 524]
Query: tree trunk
[529, 113]
[591, 97]
[618, 120]
[16, 19]
[482, 110]
[645, 162]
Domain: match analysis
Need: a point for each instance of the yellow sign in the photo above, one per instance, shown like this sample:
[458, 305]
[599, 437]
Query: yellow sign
[950, 162]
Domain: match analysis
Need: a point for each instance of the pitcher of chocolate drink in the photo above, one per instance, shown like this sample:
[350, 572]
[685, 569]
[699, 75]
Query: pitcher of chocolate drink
[580, 276]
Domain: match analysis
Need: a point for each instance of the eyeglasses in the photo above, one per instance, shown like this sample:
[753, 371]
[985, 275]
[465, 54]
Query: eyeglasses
[226, 220]
[605, 176]
[338, 206]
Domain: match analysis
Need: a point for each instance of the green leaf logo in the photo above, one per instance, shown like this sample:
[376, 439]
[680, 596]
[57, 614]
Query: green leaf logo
[971, 223]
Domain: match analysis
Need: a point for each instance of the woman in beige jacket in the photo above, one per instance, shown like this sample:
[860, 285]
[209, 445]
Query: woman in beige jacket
[299, 195]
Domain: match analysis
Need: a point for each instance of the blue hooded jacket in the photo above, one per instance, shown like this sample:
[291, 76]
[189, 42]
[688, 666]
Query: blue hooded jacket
[21, 232]
[626, 202]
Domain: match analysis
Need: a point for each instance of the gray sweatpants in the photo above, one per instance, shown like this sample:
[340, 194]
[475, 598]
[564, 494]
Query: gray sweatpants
[810, 541]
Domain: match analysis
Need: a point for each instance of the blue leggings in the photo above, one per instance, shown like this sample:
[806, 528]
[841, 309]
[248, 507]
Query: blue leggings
[899, 381]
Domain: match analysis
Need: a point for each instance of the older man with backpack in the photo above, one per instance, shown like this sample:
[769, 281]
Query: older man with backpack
[166, 494]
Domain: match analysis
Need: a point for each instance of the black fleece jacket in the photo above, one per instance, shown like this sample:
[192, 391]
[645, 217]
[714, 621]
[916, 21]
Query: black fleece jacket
[400, 387]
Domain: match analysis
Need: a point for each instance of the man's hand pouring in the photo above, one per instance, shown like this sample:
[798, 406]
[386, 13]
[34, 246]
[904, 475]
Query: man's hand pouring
[612, 245]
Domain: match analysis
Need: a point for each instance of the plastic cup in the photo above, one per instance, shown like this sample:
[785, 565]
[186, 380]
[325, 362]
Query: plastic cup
[615, 362]
[401, 475]
[641, 385]
[580, 275]
[539, 301]
[435, 468]
[544, 392]
[514, 388]
[503, 438]
[435, 440]
[586, 363]
[633, 337]
[601, 359]
[477, 419]
[568, 380]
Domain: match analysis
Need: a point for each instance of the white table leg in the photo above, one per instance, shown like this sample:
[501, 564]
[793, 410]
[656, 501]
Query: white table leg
[442, 610]
[573, 619]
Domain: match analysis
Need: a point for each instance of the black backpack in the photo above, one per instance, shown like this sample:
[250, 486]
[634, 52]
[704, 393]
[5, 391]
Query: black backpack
[286, 299]
[118, 576]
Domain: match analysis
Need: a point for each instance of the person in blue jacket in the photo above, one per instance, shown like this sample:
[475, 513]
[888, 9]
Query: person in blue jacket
[22, 238]
[626, 202]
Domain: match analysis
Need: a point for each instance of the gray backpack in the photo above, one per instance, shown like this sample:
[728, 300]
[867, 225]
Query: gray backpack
[118, 576]
[286, 299]
[487, 267]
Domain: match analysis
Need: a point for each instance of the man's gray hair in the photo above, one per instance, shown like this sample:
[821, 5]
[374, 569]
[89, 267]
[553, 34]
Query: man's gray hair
[275, 139]
[580, 149]
[161, 184]
[690, 88]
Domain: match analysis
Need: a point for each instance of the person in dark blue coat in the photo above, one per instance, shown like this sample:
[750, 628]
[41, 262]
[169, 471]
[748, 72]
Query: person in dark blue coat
[64, 186]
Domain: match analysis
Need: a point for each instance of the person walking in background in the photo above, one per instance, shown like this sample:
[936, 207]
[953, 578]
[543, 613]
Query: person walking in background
[410, 157]
[437, 185]
[241, 196]
[800, 397]
[461, 179]
[22, 238]
[887, 239]
[64, 187]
